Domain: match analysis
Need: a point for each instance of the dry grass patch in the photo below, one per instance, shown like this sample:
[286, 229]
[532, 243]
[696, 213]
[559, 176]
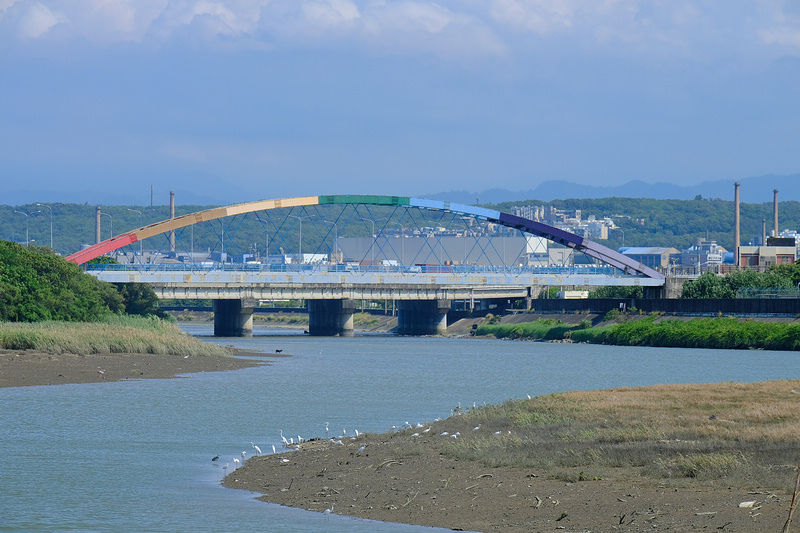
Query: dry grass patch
[732, 431]
[113, 335]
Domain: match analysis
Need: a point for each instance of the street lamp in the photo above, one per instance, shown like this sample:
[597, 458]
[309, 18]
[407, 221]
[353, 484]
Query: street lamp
[300, 242]
[27, 218]
[141, 222]
[111, 225]
[51, 223]
[374, 238]
[374, 235]
[335, 233]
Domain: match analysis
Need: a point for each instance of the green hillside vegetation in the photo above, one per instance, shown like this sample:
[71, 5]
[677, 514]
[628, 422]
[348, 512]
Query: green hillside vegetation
[644, 222]
[675, 223]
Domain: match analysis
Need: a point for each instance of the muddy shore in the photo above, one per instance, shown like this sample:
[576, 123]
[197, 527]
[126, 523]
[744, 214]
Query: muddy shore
[29, 368]
[399, 478]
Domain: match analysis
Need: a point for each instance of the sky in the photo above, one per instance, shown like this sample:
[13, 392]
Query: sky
[239, 100]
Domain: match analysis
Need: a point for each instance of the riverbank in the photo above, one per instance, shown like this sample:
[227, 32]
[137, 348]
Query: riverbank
[121, 348]
[647, 330]
[680, 458]
[34, 368]
[362, 322]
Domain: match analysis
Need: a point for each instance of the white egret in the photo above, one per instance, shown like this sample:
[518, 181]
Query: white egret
[273, 448]
[327, 512]
[235, 460]
[256, 448]
[326, 428]
[243, 454]
[285, 442]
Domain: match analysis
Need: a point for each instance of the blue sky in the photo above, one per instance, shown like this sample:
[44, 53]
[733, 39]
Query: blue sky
[245, 99]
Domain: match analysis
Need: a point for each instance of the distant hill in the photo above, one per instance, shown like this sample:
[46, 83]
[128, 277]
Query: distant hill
[753, 190]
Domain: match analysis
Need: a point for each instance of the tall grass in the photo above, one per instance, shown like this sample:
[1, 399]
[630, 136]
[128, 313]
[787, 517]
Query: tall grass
[726, 333]
[116, 334]
[541, 329]
[739, 432]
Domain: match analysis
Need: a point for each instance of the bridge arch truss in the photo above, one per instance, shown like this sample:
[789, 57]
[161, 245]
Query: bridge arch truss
[580, 244]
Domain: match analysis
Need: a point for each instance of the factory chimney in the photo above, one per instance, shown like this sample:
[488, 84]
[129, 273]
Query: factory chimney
[736, 224]
[97, 225]
[171, 216]
[775, 212]
[763, 232]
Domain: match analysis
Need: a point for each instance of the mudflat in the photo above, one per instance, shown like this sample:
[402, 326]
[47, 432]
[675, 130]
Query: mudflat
[736, 473]
[32, 368]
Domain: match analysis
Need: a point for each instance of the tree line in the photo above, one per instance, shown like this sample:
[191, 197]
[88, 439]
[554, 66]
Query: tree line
[37, 285]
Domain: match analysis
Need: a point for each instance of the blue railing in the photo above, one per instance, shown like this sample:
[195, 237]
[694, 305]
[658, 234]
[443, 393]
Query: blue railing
[356, 269]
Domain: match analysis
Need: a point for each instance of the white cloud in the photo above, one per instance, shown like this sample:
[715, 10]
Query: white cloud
[331, 13]
[538, 16]
[453, 29]
[37, 19]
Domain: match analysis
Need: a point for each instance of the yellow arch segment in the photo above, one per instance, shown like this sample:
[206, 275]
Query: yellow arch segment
[221, 212]
[182, 221]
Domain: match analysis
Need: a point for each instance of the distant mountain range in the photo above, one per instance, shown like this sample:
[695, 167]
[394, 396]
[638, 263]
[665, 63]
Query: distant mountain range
[753, 190]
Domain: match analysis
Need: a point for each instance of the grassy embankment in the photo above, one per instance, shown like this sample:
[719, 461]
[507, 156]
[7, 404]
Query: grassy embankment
[745, 434]
[728, 333]
[115, 334]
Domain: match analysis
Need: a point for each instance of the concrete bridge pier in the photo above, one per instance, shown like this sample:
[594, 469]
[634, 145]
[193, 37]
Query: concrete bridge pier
[328, 318]
[233, 318]
[422, 317]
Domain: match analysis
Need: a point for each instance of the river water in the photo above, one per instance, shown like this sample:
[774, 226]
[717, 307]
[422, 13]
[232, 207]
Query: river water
[136, 455]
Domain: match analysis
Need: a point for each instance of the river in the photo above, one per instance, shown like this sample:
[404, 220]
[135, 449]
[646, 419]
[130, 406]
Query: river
[136, 455]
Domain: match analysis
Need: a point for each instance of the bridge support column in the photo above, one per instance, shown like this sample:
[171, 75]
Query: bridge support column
[422, 317]
[328, 318]
[233, 318]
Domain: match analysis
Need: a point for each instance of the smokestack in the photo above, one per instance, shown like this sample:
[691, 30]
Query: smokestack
[151, 196]
[736, 224]
[171, 216]
[775, 212]
[97, 225]
[763, 232]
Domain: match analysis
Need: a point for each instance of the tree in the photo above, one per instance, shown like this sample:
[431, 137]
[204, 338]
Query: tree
[36, 284]
[140, 299]
[617, 292]
[710, 285]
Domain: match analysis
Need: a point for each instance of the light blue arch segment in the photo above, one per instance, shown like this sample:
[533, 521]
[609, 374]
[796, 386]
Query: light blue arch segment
[460, 209]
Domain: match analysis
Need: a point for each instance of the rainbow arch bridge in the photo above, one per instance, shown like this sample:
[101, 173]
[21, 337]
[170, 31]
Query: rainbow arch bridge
[423, 287]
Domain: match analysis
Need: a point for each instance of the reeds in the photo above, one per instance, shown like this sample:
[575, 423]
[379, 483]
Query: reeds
[724, 333]
[117, 334]
[740, 432]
